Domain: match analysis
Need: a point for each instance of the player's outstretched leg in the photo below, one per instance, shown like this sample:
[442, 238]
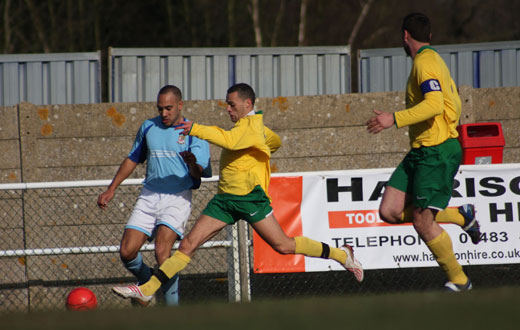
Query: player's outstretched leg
[142, 272]
[442, 249]
[177, 262]
[343, 255]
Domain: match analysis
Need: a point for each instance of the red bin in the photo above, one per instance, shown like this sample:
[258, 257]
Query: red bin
[482, 143]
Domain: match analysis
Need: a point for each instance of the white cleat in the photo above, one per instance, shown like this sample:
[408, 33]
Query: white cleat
[352, 264]
[133, 292]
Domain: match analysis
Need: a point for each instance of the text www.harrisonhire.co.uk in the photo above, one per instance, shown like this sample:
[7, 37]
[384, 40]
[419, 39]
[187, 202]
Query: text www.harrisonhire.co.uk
[467, 255]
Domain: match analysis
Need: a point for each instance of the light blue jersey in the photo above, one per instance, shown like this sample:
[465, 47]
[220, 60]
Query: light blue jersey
[159, 145]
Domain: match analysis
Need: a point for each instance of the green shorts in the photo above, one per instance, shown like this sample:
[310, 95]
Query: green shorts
[427, 174]
[229, 208]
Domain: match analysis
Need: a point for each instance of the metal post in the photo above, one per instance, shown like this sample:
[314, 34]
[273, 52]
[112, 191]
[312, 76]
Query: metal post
[233, 261]
[243, 249]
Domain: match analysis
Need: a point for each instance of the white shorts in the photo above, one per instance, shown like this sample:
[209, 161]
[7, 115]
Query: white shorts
[153, 209]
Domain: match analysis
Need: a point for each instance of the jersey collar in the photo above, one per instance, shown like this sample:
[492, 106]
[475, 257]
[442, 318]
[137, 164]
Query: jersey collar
[426, 47]
[175, 126]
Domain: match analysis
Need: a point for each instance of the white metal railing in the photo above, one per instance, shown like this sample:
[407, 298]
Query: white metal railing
[85, 249]
[235, 275]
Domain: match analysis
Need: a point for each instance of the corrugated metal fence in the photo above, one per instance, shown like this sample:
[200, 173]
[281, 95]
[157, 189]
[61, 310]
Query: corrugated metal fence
[136, 74]
[481, 65]
[66, 78]
[206, 73]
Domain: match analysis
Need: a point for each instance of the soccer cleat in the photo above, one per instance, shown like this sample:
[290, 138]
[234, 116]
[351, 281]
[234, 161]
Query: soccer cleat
[471, 225]
[452, 287]
[133, 292]
[352, 264]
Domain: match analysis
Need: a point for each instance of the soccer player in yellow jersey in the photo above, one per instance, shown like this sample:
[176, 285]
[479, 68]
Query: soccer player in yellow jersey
[420, 188]
[242, 194]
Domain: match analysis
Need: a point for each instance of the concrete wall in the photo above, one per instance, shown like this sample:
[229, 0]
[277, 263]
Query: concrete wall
[88, 142]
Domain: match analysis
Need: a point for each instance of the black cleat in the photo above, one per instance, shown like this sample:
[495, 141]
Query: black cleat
[471, 225]
[452, 287]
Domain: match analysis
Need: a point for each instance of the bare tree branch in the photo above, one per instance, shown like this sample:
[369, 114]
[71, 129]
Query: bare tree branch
[461, 23]
[7, 27]
[231, 22]
[38, 26]
[52, 32]
[189, 23]
[97, 24]
[70, 26]
[278, 22]
[254, 11]
[361, 18]
[207, 22]
[301, 28]
[169, 14]
[81, 22]
[376, 34]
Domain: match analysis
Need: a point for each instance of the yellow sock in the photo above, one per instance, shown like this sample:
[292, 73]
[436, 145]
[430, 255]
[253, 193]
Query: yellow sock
[151, 286]
[312, 248]
[442, 249]
[450, 215]
[307, 246]
[174, 264]
[338, 255]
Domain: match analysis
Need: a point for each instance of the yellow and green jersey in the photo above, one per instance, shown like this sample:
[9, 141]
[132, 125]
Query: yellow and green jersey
[246, 153]
[433, 104]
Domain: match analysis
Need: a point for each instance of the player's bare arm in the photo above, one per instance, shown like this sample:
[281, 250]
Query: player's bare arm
[382, 120]
[124, 171]
[104, 198]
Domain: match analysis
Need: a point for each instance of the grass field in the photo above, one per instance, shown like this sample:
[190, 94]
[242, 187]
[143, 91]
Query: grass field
[497, 308]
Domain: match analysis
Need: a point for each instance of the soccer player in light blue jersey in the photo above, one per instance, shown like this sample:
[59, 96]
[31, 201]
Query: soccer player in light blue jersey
[173, 163]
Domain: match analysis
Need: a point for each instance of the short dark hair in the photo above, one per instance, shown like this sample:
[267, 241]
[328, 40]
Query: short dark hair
[418, 25]
[171, 89]
[244, 91]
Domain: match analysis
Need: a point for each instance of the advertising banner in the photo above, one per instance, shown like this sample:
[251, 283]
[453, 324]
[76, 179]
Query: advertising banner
[341, 207]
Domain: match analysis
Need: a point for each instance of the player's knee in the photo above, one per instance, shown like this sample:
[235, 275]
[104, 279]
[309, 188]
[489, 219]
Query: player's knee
[187, 246]
[421, 225]
[281, 250]
[284, 247]
[127, 254]
[161, 254]
[388, 216]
